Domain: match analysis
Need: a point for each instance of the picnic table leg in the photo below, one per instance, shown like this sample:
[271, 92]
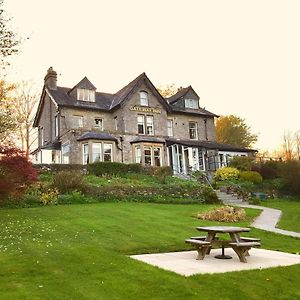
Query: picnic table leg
[201, 252]
[241, 253]
[209, 238]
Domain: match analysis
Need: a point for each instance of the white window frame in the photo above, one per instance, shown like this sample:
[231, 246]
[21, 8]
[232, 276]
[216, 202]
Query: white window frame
[144, 98]
[146, 122]
[140, 156]
[98, 146]
[86, 95]
[149, 125]
[141, 122]
[191, 103]
[85, 154]
[193, 129]
[111, 151]
[170, 127]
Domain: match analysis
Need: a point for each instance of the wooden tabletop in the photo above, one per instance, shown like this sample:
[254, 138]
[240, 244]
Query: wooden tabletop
[223, 229]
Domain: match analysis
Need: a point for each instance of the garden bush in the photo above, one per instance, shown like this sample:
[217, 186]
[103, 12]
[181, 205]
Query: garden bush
[227, 173]
[251, 176]
[242, 163]
[60, 167]
[68, 181]
[224, 214]
[290, 173]
[107, 168]
[158, 194]
[161, 173]
[269, 169]
[16, 173]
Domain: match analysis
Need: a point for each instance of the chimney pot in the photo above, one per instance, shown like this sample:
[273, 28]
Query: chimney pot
[51, 79]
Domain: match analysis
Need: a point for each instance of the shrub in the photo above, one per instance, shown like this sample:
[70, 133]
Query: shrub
[135, 168]
[290, 173]
[242, 163]
[16, 173]
[49, 197]
[251, 176]
[68, 181]
[60, 167]
[74, 197]
[224, 214]
[227, 173]
[162, 172]
[268, 170]
[107, 168]
[158, 194]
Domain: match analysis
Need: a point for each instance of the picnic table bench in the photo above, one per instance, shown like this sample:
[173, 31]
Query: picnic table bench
[240, 245]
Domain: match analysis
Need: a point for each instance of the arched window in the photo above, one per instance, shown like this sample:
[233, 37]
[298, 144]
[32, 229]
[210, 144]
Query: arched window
[144, 101]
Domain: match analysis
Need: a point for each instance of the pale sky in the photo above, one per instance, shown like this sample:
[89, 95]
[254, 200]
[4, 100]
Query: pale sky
[241, 57]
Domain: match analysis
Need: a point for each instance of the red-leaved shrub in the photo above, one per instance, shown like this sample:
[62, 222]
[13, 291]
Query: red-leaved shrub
[16, 172]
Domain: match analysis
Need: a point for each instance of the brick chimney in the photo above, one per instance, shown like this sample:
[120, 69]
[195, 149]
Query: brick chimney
[51, 79]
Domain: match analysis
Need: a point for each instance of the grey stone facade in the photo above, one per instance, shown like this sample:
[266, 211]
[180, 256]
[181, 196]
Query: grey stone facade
[119, 127]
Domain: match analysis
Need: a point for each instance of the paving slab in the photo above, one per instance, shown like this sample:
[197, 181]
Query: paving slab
[185, 263]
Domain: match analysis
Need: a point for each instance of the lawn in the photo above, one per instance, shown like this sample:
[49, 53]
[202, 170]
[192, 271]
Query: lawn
[80, 252]
[290, 219]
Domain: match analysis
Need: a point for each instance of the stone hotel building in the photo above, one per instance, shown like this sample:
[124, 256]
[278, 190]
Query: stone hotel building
[80, 125]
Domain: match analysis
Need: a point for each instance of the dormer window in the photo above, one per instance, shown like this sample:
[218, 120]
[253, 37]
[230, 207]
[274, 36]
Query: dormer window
[192, 103]
[86, 95]
[144, 99]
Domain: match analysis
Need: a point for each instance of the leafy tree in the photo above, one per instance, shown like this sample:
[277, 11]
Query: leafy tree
[234, 131]
[16, 172]
[8, 39]
[8, 122]
[8, 46]
[168, 90]
[24, 107]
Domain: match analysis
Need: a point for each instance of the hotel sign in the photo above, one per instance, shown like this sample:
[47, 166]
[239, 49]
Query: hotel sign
[145, 109]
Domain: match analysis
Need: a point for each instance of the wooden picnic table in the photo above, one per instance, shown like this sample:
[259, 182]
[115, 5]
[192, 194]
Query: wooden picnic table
[241, 246]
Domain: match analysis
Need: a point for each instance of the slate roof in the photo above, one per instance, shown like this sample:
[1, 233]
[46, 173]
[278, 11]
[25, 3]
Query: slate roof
[84, 84]
[96, 136]
[62, 96]
[199, 111]
[208, 145]
[178, 95]
[140, 139]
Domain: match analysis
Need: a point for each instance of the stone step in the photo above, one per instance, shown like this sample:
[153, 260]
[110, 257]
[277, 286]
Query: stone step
[229, 198]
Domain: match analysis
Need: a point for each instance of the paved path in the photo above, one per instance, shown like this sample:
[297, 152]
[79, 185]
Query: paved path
[267, 220]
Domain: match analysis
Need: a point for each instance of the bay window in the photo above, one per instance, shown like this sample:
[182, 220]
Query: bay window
[107, 150]
[96, 152]
[148, 155]
[85, 151]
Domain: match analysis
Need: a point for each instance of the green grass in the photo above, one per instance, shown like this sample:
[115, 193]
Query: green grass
[80, 252]
[290, 219]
